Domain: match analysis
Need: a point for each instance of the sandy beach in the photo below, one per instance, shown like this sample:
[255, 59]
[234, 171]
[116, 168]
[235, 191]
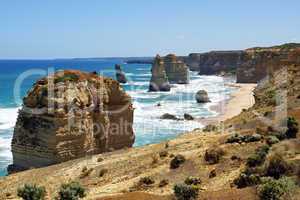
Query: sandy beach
[240, 99]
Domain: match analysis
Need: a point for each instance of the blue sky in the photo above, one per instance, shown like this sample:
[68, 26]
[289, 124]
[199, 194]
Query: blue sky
[98, 28]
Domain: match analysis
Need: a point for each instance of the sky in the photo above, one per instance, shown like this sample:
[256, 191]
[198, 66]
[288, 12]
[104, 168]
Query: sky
[35, 29]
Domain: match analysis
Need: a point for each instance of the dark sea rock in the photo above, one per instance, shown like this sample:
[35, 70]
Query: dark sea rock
[202, 96]
[188, 117]
[120, 75]
[169, 116]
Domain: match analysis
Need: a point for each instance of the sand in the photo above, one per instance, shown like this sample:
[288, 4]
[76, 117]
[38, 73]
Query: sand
[241, 99]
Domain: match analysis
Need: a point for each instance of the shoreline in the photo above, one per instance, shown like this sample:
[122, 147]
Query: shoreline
[241, 99]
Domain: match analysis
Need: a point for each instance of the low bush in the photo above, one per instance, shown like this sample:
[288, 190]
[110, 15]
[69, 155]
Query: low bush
[163, 183]
[146, 181]
[186, 192]
[177, 161]
[276, 189]
[71, 191]
[213, 155]
[210, 128]
[102, 172]
[246, 138]
[163, 154]
[85, 172]
[259, 157]
[292, 126]
[272, 140]
[192, 181]
[32, 192]
[277, 167]
[246, 180]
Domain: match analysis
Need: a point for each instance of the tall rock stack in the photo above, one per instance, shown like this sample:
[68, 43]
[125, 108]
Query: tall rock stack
[69, 115]
[120, 75]
[159, 80]
[177, 72]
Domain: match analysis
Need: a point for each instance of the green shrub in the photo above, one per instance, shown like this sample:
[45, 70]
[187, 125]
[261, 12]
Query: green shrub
[192, 181]
[245, 180]
[246, 138]
[32, 192]
[280, 135]
[177, 161]
[292, 126]
[185, 192]
[210, 128]
[272, 140]
[276, 189]
[236, 138]
[277, 167]
[213, 155]
[259, 157]
[71, 191]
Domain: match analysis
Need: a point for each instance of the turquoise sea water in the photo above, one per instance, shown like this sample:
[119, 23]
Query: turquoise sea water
[147, 125]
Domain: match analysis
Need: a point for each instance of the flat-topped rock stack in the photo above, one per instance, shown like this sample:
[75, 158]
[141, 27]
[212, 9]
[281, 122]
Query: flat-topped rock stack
[69, 115]
[176, 70]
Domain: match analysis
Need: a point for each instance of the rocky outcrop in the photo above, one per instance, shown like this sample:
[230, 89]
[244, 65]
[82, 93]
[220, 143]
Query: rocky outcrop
[120, 75]
[258, 63]
[159, 80]
[69, 115]
[176, 70]
[202, 96]
[188, 116]
[214, 62]
[169, 116]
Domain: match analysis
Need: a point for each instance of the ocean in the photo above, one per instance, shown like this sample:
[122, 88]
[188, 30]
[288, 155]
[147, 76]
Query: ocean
[18, 76]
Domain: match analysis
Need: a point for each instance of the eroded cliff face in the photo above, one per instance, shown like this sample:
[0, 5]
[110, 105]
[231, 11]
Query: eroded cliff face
[159, 80]
[176, 70]
[69, 115]
[214, 62]
[259, 64]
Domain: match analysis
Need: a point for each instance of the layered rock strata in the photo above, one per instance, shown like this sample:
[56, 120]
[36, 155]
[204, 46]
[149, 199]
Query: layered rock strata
[68, 115]
[176, 70]
[214, 62]
[159, 80]
[259, 63]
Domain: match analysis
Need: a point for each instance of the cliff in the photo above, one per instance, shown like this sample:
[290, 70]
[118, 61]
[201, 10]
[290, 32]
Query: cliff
[258, 63]
[214, 62]
[159, 80]
[176, 71]
[69, 115]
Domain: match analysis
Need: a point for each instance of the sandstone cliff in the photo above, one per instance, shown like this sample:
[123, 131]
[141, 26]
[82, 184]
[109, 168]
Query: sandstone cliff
[258, 63]
[159, 80]
[176, 70]
[69, 115]
[214, 62]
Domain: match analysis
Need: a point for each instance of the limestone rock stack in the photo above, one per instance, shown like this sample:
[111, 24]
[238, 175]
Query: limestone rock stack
[159, 80]
[120, 75]
[176, 70]
[69, 115]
